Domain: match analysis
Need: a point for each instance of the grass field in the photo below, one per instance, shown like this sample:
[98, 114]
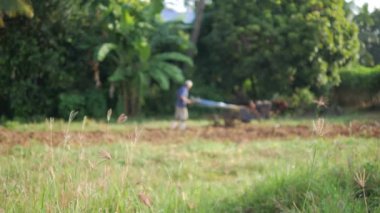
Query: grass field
[317, 174]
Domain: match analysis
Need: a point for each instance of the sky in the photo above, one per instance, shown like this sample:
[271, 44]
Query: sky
[372, 4]
[179, 5]
[176, 9]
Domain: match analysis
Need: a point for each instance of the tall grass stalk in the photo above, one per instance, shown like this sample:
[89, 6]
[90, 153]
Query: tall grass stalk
[84, 122]
[109, 115]
[310, 175]
[130, 148]
[51, 124]
[67, 135]
[319, 130]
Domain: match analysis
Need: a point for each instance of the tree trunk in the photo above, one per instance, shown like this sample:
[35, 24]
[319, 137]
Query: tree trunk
[200, 6]
[131, 99]
[133, 102]
[124, 91]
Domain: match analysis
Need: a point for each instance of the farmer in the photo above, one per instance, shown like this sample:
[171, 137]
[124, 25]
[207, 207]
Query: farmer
[181, 113]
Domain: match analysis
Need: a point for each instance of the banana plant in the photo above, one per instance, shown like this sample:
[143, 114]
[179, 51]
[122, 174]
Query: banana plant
[138, 64]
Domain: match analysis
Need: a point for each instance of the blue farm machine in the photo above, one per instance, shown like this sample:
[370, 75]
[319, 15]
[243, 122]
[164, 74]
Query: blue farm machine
[244, 113]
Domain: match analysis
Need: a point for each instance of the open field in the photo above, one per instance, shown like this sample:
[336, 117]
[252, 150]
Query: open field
[268, 166]
[88, 90]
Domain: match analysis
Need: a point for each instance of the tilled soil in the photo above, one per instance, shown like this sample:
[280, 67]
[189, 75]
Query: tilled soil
[237, 134]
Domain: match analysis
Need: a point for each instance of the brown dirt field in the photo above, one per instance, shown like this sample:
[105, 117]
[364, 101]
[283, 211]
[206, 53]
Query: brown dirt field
[238, 134]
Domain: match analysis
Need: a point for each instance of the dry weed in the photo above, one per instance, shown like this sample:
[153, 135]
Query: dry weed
[122, 118]
[92, 166]
[145, 199]
[321, 102]
[51, 123]
[319, 127]
[105, 155]
[109, 114]
[52, 173]
[361, 179]
[67, 136]
[84, 122]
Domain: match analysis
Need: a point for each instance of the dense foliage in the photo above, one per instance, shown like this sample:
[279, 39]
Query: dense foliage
[48, 63]
[369, 25]
[12, 8]
[91, 55]
[43, 57]
[138, 53]
[268, 47]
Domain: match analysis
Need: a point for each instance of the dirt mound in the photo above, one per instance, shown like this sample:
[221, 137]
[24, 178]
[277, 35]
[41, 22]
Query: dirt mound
[241, 133]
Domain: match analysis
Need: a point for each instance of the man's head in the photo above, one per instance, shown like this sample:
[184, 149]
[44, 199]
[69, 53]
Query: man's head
[188, 84]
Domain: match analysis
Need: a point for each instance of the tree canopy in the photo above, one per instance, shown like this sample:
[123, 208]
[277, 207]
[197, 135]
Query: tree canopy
[277, 46]
[369, 34]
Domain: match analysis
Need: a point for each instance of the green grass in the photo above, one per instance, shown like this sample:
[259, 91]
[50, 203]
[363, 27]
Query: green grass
[315, 175]
[298, 175]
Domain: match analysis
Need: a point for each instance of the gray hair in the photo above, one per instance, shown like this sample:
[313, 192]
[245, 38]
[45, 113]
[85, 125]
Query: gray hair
[189, 83]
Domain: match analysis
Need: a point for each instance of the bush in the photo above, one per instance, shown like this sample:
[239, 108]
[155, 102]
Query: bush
[28, 101]
[69, 102]
[361, 78]
[96, 104]
[360, 86]
[92, 103]
[302, 99]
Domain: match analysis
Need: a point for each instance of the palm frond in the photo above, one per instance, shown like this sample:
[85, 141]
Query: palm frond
[175, 56]
[161, 78]
[171, 71]
[104, 49]
[117, 75]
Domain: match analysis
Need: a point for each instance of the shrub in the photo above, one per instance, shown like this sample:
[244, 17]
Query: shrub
[302, 100]
[360, 86]
[96, 104]
[69, 102]
[361, 78]
[27, 101]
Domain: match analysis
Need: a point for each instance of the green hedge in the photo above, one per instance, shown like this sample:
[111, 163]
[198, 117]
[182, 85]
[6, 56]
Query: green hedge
[91, 103]
[359, 87]
[366, 79]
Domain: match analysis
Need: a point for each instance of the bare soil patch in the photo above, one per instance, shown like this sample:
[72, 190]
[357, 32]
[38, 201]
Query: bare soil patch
[237, 134]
